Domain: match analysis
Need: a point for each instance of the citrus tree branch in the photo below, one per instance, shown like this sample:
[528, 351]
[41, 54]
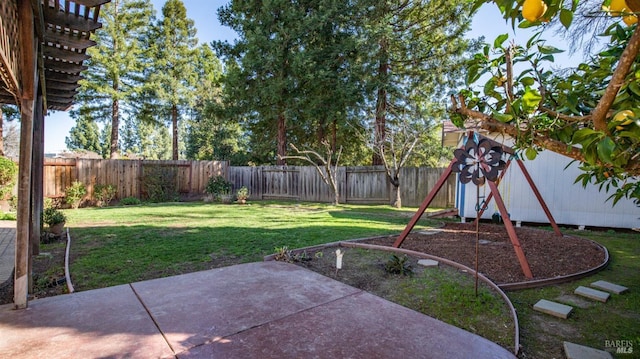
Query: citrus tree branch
[599, 113]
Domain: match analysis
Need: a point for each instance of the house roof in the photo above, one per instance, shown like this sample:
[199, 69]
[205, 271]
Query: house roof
[64, 28]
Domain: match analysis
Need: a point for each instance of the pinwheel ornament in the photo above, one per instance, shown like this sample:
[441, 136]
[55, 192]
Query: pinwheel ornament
[478, 162]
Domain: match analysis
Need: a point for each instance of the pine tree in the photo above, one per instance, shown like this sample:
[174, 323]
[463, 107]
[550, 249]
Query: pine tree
[116, 63]
[413, 50]
[85, 135]
[173, 75]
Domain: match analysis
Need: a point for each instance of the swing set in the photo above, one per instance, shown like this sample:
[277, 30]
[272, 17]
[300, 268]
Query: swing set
[480, 161]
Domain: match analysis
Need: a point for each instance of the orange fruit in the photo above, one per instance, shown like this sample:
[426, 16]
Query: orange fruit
[533, 10]
[630, 19]
[617, 7]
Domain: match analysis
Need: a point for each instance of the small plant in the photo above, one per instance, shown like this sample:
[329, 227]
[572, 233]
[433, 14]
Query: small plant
[398, 265]
[217, 187]
[75, 194]
[243, 194]
[130, 201]
[283, 254]
[52, 216]
[104, 194]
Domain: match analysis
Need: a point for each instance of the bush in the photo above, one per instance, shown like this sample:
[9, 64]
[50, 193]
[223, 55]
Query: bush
[8, 176]
[104, 194]
[160, 184]
[130, 201]
[218, 186]
[52, 216]
[75, 194]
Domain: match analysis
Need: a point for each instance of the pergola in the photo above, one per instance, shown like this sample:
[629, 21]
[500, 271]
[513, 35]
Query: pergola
[43, 47]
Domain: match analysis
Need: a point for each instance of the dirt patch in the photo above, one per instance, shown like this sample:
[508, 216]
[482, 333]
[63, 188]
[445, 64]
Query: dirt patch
[548, 256]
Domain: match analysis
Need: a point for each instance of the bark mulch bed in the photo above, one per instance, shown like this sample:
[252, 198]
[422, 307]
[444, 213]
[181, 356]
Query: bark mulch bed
[549, 256]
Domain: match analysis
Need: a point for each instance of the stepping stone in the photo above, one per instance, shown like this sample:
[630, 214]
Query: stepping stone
[428, 263]
[430, 232]
[609, 287]
[553, 308]
[575, 351]
[592, 293]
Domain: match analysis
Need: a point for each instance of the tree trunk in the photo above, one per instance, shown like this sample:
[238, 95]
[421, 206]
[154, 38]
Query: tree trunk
[174, 123]
[1, 133]
[115, 123]
[282, 139]
[381, 102]
[334, 135]
[398, 202]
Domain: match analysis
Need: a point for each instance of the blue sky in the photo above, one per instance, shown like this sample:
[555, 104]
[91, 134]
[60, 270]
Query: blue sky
[487, 22]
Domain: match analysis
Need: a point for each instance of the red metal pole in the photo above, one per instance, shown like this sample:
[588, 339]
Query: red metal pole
[511, 231]
[539, 197]
[423, 207]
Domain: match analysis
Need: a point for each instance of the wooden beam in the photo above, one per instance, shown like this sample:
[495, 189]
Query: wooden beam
[59, 106]
[21, 273]
[524, 264]
[28, 46]
[53, 85]
[64, 39]
[68, 67]
[62, 77]
[63, 54]
[425, 204]
[91, 3]
[69, 21]
[60, 99]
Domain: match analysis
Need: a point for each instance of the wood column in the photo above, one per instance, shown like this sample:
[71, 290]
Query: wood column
[28, 81]
[37, 176]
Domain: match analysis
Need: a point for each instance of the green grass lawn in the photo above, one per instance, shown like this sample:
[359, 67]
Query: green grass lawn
[119, 245]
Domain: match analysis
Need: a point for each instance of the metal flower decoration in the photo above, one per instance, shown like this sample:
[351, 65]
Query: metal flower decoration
[478, 161]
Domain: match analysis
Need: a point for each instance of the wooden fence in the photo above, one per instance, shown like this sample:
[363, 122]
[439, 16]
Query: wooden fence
[128, 176]
[366, 185]
[356, 184]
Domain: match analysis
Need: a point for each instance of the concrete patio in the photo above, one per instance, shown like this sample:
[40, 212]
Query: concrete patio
[254, 310]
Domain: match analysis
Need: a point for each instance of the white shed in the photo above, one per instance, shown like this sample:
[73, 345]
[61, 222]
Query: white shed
[554, 176]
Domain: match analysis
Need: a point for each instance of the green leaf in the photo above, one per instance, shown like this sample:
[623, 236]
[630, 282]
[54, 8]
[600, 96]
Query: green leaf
[530, 100]
[585, 133]
[549, 50]
[497, 43]
[566, 17]
[605, 149]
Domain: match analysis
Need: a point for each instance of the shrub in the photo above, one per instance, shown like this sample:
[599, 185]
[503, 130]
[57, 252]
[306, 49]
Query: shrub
[52, 216]
[218, 186]
[160, 183]
[130, 201]
[75, 194]
[104, 194]
[8, 176]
